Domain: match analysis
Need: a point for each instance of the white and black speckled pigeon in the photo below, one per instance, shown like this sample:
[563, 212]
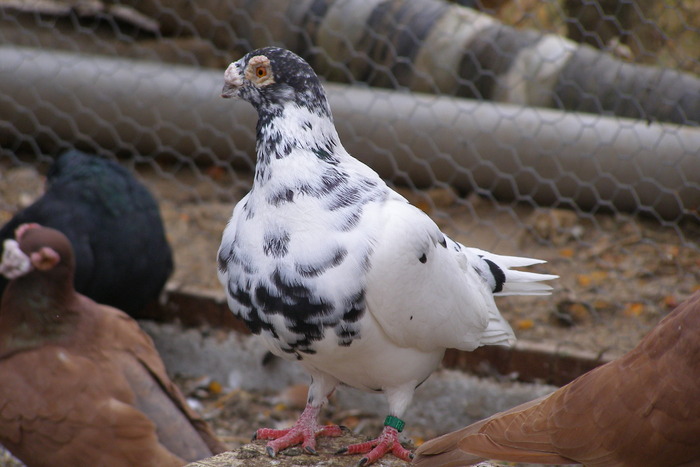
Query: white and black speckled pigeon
[334, 269]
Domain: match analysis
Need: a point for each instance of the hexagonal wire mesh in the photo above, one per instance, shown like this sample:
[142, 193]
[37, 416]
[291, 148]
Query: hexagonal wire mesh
[560, 129]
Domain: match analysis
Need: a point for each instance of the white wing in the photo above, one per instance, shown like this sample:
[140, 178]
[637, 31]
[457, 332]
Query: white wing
[427, 291]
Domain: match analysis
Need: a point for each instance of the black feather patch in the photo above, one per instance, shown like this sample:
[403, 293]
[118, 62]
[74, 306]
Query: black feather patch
[222, 261]
[345, 197]
[313, 270]
[122, 257]
[240, 295]
[256, 324]
[351, 220]
[498, 275]
[345, 335]
[275, 243]
[355, 307]
[284, 196]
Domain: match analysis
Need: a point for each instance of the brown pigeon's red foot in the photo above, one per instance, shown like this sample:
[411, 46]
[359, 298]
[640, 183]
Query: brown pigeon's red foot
[304, 431]
[387, 442]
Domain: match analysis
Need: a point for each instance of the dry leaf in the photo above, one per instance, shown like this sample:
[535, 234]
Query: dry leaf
[633, 309]
[566, 252]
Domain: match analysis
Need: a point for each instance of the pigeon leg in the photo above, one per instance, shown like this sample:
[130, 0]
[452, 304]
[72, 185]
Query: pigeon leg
[387, 442]
[304, 431]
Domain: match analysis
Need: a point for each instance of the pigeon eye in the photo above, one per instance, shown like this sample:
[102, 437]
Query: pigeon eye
[261, 71]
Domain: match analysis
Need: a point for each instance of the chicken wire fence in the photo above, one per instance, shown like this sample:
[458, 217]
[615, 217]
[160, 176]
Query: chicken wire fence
[561, 129]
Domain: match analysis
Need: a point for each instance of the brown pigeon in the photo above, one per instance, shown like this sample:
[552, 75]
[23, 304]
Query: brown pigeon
[82, 385]
[642, 409]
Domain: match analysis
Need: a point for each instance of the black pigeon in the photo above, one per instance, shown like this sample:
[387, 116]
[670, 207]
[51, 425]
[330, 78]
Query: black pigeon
[113, 222]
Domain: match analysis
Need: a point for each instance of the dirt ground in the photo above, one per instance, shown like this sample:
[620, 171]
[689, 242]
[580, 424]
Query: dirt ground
[618, 275]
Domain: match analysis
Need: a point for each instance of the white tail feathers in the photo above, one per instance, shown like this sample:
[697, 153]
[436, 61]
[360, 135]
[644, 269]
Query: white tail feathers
[498, 331]
[526, 283]
[519, 282]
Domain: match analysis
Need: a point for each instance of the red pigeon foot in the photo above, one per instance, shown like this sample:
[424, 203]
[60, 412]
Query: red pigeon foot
[304, 431]
[387, 442]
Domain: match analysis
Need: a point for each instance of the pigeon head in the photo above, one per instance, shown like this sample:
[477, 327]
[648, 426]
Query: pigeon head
[293, 112]
[271, 78]
[37, 248]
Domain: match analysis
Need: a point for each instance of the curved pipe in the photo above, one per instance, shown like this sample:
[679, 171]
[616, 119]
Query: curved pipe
[550, 157]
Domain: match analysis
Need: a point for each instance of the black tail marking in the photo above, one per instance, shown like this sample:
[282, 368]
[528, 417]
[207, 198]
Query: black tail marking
[498, 275]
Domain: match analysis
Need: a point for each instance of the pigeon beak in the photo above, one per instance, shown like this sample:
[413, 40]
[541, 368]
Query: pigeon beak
[15, 262]
[232, 81]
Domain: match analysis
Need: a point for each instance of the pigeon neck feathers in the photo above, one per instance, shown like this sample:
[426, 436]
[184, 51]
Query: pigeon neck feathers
[37, 306]
[295, 131]
[299, 153]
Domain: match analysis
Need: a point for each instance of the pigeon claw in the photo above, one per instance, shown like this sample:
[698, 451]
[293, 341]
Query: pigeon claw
[304, 431]
[311, 451]
[387, 442]
[300, 433]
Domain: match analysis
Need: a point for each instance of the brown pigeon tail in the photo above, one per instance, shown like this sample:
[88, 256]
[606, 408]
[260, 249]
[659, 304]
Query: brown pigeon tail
[641, 409]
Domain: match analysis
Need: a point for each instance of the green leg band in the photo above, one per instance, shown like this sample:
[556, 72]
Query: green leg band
[394, 422]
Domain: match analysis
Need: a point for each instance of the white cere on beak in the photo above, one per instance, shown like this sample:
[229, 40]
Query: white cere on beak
[232, 81]
[232, 76]
[14, 262]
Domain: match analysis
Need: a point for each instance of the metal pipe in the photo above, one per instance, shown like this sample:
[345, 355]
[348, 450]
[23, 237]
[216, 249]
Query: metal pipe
[437, 46]
[50, 99]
